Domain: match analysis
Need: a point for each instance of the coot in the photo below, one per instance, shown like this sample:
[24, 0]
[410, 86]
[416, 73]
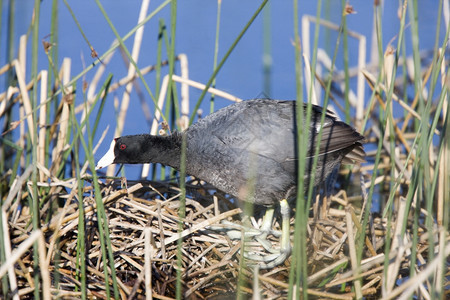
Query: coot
[249, 150]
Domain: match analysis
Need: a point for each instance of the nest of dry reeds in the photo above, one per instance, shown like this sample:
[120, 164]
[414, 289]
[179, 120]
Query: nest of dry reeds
[68, 236]
[145, 228]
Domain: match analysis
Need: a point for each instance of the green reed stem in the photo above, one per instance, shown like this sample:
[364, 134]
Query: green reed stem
[224, 59]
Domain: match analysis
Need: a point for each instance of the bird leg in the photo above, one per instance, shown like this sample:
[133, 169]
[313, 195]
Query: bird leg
[234, 231]
[266, 229]
[266, 226]
[276, 257]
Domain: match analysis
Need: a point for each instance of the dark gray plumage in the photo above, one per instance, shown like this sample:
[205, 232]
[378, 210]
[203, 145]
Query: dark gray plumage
[248, 149]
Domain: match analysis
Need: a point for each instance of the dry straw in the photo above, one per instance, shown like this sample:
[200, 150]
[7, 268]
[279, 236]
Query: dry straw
[401, 252]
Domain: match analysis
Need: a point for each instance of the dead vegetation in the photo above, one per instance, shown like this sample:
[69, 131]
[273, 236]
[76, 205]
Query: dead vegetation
[63, 227]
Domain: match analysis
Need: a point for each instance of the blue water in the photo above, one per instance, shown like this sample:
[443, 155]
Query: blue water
[241, 76]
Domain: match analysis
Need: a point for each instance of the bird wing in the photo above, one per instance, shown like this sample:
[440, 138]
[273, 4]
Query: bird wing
[267, 128]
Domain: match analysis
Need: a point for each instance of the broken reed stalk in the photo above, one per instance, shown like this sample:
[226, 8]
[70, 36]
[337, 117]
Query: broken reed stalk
[209, 260]
[68, 221]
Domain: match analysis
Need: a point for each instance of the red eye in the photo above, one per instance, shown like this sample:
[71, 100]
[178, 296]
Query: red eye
[123, 146]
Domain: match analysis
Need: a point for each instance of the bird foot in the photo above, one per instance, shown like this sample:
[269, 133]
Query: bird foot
[234, 232]
[267, 261]
[270, 257]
